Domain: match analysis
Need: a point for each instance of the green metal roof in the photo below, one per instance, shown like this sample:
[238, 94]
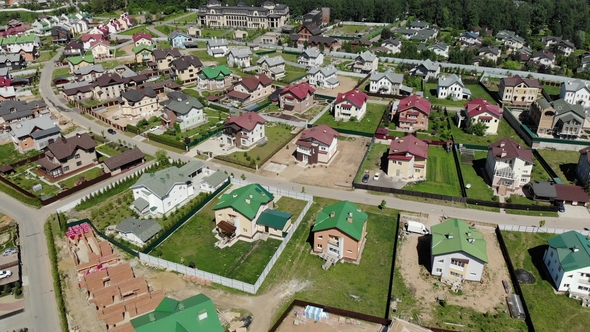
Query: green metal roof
[162, 181]
[273, 218]
[79, 59]
[340, 220]
[215, 73]
[458, 236]
[216, 178]
[142, 47]
[195, 314]
[573, 250]
[246, 200]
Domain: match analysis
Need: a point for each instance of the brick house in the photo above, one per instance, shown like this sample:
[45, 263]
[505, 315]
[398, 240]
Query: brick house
[317, 145]
[67, 155]
[296, 98]
[411, 113]
[140, 102]
[187, 68]
[164, 58]
[244, 130]
[34, 133]
[251, 89]
[108, 87]
[481, 110]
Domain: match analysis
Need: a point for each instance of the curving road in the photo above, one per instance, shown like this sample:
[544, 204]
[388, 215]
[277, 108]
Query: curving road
[41, 311]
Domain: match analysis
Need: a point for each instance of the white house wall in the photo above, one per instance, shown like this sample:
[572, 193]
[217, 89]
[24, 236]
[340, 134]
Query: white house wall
[577, 281]
[443, 262]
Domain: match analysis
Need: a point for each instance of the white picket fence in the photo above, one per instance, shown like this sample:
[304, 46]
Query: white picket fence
[232, 283]
[533, 229]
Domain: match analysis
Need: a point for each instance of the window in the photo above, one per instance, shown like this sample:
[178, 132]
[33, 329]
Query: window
[220, 215]
[441, 260]
[79, 163]
[77, 156]
[169, 203]
[319, 246]
[439, 270]
[582, 288]
[66, 168]
[457, 263]
[349, 251]
[456, 275]
[320, 237]
[566, 285]
[244, 230]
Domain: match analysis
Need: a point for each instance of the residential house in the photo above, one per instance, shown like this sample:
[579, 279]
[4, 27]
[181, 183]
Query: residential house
[575, 92]
[246, 213]
[138, 102]
[419, 25]
[143, 38]
[296, 98]
[567, 260]
[452, 87]
[270, 38]
[427, 70]
[543, 58]
[217, 47]
[195, 314]
[330, 44]
[13, 111]
[408, 158]
[89, 38]
[213, 180]
[68, 155]
[481, 110]
[78, 91]
[490, 53]
[123, 161]
[76, 62]
[165, 57]
[440, 49]
[350, 106]
[510, 39]
[563, 46]
[7, 93]
[306, 32]
[34, 133]
[267, 16]
[583, 167]
[239, 56]
[393, 44]
[557, 193]
[557, 118]
[509, 165]
[74, 49]
[251, 89]
[388, 83]
[214, 78]
[365, 63]
[424, 36]
[136, 231]
[457, 251]
[100, 49]
[188, 113]
[411, 113]
[317, 145]
[244, 130]
[518, 91]
[323, 77]
[144, 54]
[406, 32]
[311, 57]
[469, 38]
[60, 35]
[12, 61]
[167, 189]
[550, 41]
[108, 87]
[5, 79]
[187, 68]
[89, 73]
[194, 31]
[339, 231]
[272, 67]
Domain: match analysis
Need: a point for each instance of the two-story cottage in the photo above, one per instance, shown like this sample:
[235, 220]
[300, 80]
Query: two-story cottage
[89, 38]
[365, 63]
[311, 57]
[251, 89]
[542, 58]
[34, 133]
[272, 67]
[419, 25]
[481, 110]
[217, 47]
[330, 44]
[518, 91]
[317, 145]
[100, 49]
[469, 38]
[76, 62]
[74, 49]
[452, 87]
[143, 38]
[305, 32]
[323, 77]
[557, 118]
[407, 158]
[386, 83]
[244, 130]
[567, 260]
[296, 98]
[108, 87]
[441, 49]
[240, 57]
[424, 36]
[68, 155]
[489, 53]
[89, 73]
[13, 111]
[187, 68]
[78, 91]
[215, 78]
[575, 92]
[411, 113]
[188, 113]
[394, 45]
[350, 106]
[509, 166]
[164, 58]
[12, 61]
[426, 70]
[136, 102]
[583, 167]
[60, 35]
[144, 54]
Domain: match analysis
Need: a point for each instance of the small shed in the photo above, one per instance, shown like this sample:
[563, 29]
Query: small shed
[6, 169]
[515, 306]
[315, 313]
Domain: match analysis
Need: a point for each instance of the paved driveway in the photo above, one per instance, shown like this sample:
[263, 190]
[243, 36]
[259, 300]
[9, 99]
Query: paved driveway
[577, 212]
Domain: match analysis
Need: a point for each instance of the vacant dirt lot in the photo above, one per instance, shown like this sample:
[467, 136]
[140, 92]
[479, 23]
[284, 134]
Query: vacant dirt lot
[338, 173]
[346, 83]
[333, 323]
[481, 297]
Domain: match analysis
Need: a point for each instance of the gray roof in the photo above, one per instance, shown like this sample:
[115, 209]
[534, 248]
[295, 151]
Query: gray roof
[184, 107]
[140, 204]
[25, 128]
[574, 86]
[277, 70]
[367, 56]
[389, 75]
[561, 107]
[16, 57]
[4, 71]
[431, 66]
[503, 34]
[215, 179]
[419, 24]
[45, 132]
[489, 50]
[271, 62]
[191, 167]
[391, 41]
[516, 38]
[311, 52]
[217, 51]
[124, 71]
[406, 31]
[17, 115]
[88, 69]
[441, 46]
[175, 33]
[543, 103]
[217, 42]
[8, 106]
[544, 189]
[76, 85]
[424, 34]
[333, 80]
[326, 71]
[161, 182]
[240, 52]
[143, 229]
[450, 80]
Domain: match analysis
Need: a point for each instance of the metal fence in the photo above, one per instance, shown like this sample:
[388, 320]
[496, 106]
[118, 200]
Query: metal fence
[534, 229]
[299, 124]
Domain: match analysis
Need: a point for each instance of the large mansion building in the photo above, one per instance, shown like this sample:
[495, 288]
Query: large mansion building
[269, 15]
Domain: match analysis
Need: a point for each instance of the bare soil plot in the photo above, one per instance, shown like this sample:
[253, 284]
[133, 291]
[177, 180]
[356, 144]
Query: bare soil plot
[347, 83]
[338, 173]
[332, 323]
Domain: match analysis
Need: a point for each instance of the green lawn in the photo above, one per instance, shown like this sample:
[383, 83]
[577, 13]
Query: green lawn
[562, 162]
[538, 173]
[165, 29]
[373, 162]
[367, 125]
[63, 71]
[214, 120]
[206, 33]
[292, 73]
[277, 134]
[203, 56]
[289, 57]
[441, 174]
[349, 29]
[504, 130]
[9, 155]
[45, 56]
[476, 91]
[243, 261]
[110, 64]
[473, 175]
[333, 287]
[26, 181]
[132, 31]
[162, 44]
[553, 91]
[111, 149]
[88, 175]
[190, 19]
[549, 311]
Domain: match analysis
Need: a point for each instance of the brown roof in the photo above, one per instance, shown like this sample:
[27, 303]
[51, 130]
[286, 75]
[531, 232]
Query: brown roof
[47, 164]
[570, 193]
[238, 95]
[401, 147]
[108, 80]
[161, 54]
[6, 168]
[516, 80]
[321, 133]
[508, 149]
[226, 227]
[124, 158]
[65, 147]
[252, 82]
[247, 120]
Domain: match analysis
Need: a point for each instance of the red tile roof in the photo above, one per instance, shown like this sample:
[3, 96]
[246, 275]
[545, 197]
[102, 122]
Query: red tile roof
[300, 91]
[402, 146]
[415, 102]
[353, 96]
[570, 193]
[321, 133]
[88, 36]
[252, 82]
[141, 35]
[516, 80]
[247, 120]
[480, 105]
[100, 41]
[508, 149]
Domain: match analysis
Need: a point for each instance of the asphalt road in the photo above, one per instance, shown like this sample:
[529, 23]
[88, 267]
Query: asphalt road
[41, 310]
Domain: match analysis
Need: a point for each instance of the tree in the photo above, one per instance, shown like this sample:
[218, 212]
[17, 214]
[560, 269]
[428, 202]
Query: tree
[382, 205]
[476, 128]
[162, 156]
[542, 223]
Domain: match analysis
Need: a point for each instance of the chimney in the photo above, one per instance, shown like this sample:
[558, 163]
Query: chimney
[450, 236]
[332, 214]
[247, 201]
[502, 144]
[503, 154]
[78, 135]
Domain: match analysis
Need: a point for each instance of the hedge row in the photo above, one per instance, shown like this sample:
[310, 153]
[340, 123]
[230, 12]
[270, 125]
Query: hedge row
[132, 129]
[33, 201]
[167, 141]
[219, 108]
[57, 290]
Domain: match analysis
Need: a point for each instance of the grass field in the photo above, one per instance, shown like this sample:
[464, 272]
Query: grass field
[162, 44]
[203, 56]
[88, 175]
[132, 31]
[44, 56]
[368, 124]
[476, 91]
[373, 162]
[292, 73]
[349, 29]
[206, 33]
[243, 261]
[9, 155]
[504, 131]
[276, 134]
[190, 19]
[289, 57]
[473, 175]
[553, 91]
[165, 29]
[441, 174]
[369, 280]
[562, 162]
[549, 312]
[63, 71]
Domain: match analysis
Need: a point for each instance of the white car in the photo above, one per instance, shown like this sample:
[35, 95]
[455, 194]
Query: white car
[5, 274]
[377, 176]
[9, 251]
[154, 128]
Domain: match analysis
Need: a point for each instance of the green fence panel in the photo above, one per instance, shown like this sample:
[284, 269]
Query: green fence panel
[266, 52]
[111, 240]
[475, 147]
[291, 52]
[261, 106]
[343, 37]
[298, 78]
[330, 98]
[204, 137]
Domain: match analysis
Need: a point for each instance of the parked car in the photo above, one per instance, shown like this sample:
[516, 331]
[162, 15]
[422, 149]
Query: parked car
[112, 131]
[9, 251]
[365, 178]
[376, 176]
[154, 128]
[560, 207]
[5, 274]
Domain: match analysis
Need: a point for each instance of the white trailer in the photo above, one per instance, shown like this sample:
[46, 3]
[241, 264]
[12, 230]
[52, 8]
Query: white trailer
[416, 227]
